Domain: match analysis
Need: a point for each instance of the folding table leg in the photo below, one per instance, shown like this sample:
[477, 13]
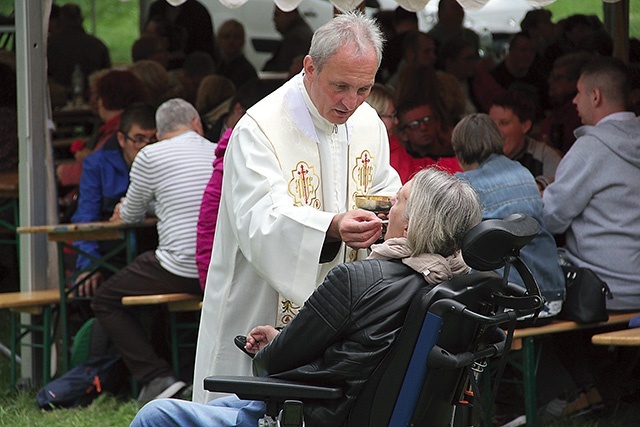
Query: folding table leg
[529, 378]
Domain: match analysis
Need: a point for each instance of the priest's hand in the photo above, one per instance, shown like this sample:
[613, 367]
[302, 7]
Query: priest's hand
[358, 228]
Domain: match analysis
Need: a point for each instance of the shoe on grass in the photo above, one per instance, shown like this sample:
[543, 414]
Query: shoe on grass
[160, 387]
[559, 408]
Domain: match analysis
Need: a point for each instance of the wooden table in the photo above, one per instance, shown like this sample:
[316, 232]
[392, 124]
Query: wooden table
[624, 337]
[65, 234]
[9, 185]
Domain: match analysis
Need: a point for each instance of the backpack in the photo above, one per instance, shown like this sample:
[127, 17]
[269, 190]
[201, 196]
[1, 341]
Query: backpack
[83, 383]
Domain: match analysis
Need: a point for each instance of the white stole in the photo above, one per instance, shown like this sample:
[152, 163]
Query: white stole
[296, 146]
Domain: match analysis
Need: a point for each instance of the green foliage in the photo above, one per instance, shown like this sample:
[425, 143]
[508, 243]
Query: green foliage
[117, 25]
[564, 8]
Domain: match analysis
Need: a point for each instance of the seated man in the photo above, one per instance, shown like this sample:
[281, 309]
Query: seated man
[104, 181]
[169, 178]
[341, 343]
[595, 199]
[423, 140]
[514, 112]
[296, 39]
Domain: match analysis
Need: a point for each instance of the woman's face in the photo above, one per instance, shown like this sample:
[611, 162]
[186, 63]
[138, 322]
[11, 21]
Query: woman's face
[398, 223]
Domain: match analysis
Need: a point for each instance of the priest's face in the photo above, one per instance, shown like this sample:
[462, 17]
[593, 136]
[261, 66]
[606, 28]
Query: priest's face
[343, 83]
[398, 222]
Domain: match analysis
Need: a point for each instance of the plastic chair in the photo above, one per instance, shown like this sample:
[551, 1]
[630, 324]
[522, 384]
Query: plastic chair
[426, 374]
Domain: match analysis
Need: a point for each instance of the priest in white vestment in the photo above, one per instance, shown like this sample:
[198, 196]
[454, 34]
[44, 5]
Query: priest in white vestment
[287, 214]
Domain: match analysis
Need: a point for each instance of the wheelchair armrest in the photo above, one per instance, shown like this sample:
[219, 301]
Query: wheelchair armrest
[269, 389]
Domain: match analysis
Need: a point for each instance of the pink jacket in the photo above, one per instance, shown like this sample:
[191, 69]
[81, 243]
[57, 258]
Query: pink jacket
[209, 211]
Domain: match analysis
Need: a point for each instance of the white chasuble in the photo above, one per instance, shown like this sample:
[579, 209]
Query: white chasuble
[281, 188]
[315, 156]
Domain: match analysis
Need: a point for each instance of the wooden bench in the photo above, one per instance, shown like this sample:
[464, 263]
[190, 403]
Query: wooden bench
[35, 303]
[176, 303]
[624, 337]
[523, 339]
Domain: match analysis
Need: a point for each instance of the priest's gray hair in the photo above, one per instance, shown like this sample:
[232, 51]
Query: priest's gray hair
[475, 138]
[441, 209]
[173, 115]
[348, 29]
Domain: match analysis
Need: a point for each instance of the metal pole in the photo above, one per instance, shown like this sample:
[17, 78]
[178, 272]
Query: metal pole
[32, 130]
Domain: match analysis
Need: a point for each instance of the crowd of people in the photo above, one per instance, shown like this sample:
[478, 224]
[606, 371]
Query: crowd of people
[253, 183]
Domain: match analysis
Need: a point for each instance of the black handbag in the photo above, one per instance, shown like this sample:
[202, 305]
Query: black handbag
[586, 300]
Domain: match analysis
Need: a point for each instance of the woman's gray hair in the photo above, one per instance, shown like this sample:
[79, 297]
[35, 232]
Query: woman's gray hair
[475, 138]
[441, 209]
[350, 28]
[173, 115]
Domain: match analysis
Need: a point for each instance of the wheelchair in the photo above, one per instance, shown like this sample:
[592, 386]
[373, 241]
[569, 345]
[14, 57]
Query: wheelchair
[429, 377]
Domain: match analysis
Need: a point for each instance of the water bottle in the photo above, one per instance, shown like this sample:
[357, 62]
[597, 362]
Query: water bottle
[486, 44]
[77, 86]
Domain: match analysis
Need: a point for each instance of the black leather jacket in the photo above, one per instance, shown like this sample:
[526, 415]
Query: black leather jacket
[342, 333]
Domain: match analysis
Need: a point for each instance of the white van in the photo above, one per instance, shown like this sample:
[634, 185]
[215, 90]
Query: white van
[497, 16]
[256, 16]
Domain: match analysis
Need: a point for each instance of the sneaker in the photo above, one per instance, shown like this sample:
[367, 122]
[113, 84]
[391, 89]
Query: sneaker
[559, 408]
[160, 387]
[595, 399]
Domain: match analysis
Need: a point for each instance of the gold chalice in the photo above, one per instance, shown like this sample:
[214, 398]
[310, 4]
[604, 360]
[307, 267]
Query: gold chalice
[374, 202]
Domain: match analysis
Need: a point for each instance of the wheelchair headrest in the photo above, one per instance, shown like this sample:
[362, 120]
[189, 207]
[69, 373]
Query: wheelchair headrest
[487, 244]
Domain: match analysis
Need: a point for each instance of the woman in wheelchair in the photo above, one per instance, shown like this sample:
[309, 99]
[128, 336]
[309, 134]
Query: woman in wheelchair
[349, 323]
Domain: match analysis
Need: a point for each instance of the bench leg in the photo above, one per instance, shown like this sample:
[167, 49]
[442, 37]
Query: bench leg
[529, 378]
[173, 332]
[47, 340]
[20, 330]
[14, 348]
[176, 328]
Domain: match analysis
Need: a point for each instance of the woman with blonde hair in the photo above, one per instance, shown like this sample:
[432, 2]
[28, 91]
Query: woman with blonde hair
[213, 98]
[159, 84]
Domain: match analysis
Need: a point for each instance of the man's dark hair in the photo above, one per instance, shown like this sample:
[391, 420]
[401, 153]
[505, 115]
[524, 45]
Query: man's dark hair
[71, 15]
[401, 14]
[145, 47]
[519, 102]
[199, 64]
[411, 41]
[611, 76]
[451, 49]
[138, 113]
[534, 18]
[597, 42]
[253, 91]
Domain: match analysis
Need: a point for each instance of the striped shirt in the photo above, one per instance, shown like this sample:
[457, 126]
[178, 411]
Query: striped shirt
[168, 178]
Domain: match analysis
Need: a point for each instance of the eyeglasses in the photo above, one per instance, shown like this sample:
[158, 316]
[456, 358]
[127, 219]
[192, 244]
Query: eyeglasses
[388, 116]
[140, 139]
[415, 124]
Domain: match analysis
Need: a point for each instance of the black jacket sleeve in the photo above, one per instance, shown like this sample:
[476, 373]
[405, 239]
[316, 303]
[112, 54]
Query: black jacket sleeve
[318, 325]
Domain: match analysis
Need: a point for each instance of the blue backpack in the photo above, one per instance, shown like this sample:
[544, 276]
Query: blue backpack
[83, 383]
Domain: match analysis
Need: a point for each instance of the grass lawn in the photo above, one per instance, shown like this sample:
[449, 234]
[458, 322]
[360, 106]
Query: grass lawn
[21, 409]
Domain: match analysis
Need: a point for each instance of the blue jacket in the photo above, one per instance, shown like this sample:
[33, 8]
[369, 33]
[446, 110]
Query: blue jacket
[105, 178]
[506, 187]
